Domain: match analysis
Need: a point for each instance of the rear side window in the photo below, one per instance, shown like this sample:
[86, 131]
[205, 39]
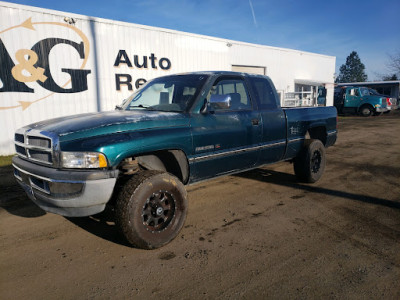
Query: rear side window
[264, 92]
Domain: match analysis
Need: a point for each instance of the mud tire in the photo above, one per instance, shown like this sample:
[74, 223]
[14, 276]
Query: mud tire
[309, 165]
[151, 209]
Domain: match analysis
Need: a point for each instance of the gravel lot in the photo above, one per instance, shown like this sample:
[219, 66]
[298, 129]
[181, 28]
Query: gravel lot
[255, 235]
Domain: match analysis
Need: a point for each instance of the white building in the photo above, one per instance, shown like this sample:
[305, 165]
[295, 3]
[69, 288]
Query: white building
[55, 64]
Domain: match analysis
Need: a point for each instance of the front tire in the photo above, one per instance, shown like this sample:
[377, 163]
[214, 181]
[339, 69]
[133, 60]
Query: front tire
[366, 111]
[309, 165]
[151, 209]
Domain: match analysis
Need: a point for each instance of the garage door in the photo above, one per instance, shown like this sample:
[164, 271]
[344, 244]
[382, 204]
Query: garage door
[249, 69]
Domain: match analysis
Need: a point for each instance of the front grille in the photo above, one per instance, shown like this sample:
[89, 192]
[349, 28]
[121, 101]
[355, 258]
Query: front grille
[20, 150]
[19, 138]
[40, 155]
[39, 142]
[35, 147]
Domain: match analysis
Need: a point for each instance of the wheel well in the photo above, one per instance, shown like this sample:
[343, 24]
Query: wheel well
[171, 161]
[366, 105]
[317, 133]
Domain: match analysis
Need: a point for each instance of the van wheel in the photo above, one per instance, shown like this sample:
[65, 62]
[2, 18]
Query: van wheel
[366, 111]
[309, 165]
[151, 209]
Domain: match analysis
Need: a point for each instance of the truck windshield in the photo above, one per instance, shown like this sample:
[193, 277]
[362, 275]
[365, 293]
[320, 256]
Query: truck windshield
[174, 93]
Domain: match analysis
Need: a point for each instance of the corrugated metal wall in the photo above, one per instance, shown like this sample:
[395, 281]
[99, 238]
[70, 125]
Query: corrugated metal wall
[77, 55]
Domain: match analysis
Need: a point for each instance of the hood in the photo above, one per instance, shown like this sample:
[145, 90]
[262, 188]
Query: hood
[94, 124]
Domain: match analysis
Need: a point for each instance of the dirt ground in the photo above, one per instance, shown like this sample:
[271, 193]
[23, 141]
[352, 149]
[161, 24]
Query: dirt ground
[256, 235]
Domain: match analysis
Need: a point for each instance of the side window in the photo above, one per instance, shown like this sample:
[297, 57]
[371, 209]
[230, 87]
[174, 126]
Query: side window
[264, 93]
[354, 92]
[234, 88]
[364, 92]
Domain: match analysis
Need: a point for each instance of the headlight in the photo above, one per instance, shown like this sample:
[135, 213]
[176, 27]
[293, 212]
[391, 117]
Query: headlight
[83, 160]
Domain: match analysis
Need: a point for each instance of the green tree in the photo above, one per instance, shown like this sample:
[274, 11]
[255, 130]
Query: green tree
[353, 70]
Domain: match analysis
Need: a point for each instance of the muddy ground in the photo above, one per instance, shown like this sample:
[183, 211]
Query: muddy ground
[256, 235]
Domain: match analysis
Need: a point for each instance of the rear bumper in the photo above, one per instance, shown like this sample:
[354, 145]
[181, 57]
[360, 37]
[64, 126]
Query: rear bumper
[71, 193]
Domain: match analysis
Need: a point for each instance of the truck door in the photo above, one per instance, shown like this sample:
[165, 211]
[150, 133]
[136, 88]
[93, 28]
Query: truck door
[352, 98]
[226, 140]
[273, 141]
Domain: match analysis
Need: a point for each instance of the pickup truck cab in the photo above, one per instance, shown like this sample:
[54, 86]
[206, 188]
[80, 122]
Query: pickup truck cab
[175, 130]
[350, 99]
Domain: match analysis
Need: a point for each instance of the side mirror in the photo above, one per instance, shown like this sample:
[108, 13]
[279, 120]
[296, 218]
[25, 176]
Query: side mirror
[220, 102]
[118, 107]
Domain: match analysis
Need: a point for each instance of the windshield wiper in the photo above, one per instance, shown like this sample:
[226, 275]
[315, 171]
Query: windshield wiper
[141, 106]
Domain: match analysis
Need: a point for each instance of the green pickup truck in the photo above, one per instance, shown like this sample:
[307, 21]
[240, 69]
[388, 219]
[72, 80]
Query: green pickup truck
[360, 100]
[175, 130]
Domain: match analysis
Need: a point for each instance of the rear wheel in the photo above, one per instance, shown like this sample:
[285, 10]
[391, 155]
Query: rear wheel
[309, 165]
[151, 209]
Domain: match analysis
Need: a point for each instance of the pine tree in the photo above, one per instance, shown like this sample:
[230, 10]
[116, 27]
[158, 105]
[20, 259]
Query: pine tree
[353, 70]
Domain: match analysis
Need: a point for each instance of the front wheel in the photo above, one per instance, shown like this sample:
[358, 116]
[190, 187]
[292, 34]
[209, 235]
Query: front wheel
[151, 209]
[309, 165]
[366, 111]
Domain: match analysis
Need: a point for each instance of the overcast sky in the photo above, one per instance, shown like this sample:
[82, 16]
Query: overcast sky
[370, 27]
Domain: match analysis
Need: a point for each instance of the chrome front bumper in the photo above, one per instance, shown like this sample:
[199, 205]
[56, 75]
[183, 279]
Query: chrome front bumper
[71, 193]
[381, 109]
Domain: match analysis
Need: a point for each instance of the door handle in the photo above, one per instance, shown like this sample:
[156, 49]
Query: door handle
[255, 122]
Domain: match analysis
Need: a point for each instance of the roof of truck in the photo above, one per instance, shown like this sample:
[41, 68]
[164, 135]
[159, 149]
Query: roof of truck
[232, 73]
